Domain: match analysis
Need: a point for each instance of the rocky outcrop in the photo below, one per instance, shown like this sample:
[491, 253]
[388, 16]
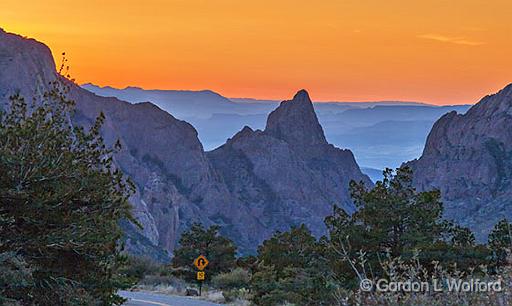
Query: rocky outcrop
[26, 66]
[287, 174]
[469, 158]
[255, 184]
[295, 122]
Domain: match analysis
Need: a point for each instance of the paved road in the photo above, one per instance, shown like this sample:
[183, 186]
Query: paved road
[137, 298]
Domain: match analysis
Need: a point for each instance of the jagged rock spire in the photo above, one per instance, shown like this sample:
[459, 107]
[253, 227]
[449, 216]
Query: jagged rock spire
[295, 122]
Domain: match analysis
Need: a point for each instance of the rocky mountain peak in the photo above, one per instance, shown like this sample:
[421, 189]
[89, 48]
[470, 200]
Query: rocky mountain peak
[495, 104]
[302, 96]
[507, 91]
[244, 133]
[295, 122]
[18, 76]
[469, 158]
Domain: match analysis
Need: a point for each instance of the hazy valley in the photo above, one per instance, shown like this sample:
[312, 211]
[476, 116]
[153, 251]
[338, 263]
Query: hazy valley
[381, 134]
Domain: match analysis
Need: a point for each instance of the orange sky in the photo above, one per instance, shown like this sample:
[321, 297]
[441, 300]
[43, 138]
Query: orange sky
[443, 52]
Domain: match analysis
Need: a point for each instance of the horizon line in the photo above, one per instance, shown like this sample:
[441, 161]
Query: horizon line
[273, 100]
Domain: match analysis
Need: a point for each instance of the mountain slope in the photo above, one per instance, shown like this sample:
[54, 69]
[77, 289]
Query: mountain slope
[286, 175]
[469, 158]
[160, 153]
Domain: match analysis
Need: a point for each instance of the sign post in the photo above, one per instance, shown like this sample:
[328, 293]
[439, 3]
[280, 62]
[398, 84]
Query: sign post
[200, 262]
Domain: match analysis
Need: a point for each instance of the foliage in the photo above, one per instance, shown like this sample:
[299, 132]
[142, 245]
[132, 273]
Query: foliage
[152, 276]
[400, 271]
[393, 217]
[61, 200]
[15, 277]
[291, 268]
[500, 242]
[198, 240]
[247, 262]
[137, 268]
[461, 236]
[239, 296]
[235, 279]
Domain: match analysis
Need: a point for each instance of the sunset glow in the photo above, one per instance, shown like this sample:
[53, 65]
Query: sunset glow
[442, 52]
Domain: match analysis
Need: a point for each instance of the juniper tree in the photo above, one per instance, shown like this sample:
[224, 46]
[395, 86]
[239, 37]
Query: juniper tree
[394, 218]
[500, 242]
[198, 240]
[61, 200]
[292, 268]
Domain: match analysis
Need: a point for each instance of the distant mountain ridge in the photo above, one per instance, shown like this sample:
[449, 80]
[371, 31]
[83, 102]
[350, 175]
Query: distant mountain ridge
[351, 103]
[136, 94]
[346, 124]
[183, 104]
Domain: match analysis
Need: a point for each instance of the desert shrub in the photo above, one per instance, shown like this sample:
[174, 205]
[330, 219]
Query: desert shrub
[162, 283]
[237, 296]
[138, 267]
[167, 280]
[235, 279]
[397, 270]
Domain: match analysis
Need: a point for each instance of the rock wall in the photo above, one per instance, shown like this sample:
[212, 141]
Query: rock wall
[469, 158]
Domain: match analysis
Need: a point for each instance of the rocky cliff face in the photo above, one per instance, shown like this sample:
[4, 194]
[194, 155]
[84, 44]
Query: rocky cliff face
[258, 182]
[469, 158]
[25, 66]
[160, 153]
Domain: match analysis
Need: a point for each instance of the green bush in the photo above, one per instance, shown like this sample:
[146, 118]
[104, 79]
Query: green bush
[235, 295]
[235, 279]
[162, 280]
[138, 267]
[15, 278]
[291, 269]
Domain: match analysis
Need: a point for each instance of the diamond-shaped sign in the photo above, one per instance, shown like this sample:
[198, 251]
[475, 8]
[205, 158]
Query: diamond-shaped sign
[201, 262]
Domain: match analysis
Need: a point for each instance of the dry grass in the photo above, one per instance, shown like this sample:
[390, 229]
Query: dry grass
[398, 270]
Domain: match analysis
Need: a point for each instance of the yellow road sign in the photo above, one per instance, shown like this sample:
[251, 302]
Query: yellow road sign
[201, 262]
[200, 275]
